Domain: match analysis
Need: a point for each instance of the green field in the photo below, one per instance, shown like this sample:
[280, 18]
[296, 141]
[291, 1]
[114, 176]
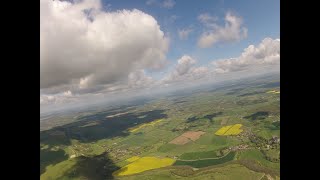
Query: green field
[206, 162]
[258, 156]
[198, 155]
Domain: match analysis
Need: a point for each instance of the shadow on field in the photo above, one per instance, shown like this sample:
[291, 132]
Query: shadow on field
[88, 129]
[179, 102]
[271, 85]
[258, 115]
[250, 94]
[95, 127]
[209, 116]
[246, 102]
[48, 157]
[98, 167]
[234, 91]
[192, 119]
[273, 125]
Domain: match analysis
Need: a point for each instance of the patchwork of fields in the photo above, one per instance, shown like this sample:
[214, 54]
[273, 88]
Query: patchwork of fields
[227, 133]
[187, 137]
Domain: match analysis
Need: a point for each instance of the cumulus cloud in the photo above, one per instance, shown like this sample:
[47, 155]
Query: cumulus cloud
[46, 99]
[183, 67]
[267, 53]
[139, 79]
[85, 47]
[232, 30]
[184, 33]
[254, 59]
[200, 72]
[67, 93]
[184, 64]
[165, 4]
[57, 98]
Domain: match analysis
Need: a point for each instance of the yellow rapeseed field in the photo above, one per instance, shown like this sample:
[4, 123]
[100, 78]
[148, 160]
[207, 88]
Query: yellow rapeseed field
[223, 130]
[234, 130]
[229, 130]
[144, 164]
[144, 125]
[133, 158]
[274, 92]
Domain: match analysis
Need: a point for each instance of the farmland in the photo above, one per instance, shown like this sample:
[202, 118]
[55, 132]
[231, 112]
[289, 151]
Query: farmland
[274, 92]
[145, 125]
[187, 137]
[230, 131]
[230, 171]
[133, 158]
[144, 164]
[206, 161]
[198, 155]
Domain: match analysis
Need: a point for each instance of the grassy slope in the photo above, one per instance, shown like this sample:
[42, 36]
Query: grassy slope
[198, 155]
[255, 154]
[206, 162]
[57, 170]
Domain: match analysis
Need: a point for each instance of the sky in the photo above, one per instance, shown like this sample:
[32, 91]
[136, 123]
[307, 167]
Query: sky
[104, 49]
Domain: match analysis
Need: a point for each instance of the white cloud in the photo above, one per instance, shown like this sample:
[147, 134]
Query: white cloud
[200, 72]
[232, 30]
[184, 65]
[265, 57]
[46, 99]
[84, 82]
[67, 93]
[184, 33]
[139, 79]
[57, 98]
[82, 46]
[267, 53]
